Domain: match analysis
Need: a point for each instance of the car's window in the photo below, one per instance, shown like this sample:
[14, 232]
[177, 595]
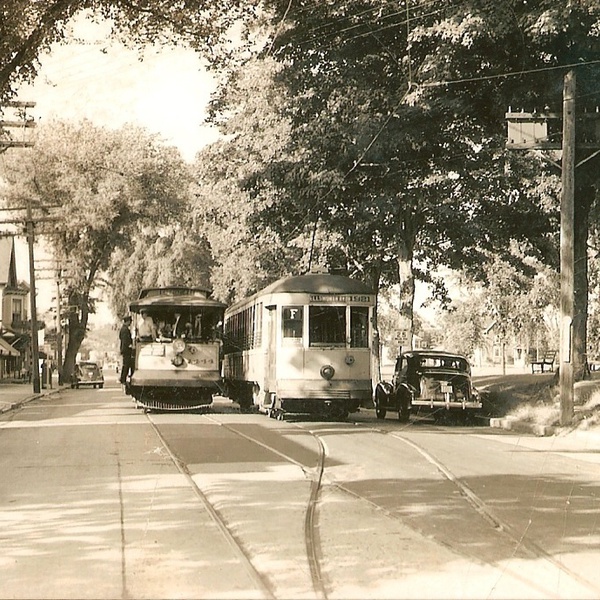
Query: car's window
[443, 362]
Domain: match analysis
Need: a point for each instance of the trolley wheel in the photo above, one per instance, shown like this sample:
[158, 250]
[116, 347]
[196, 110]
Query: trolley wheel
[101, 386]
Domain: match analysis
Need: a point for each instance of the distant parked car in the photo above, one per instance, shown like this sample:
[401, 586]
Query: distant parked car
[428, 382]
[87, 373]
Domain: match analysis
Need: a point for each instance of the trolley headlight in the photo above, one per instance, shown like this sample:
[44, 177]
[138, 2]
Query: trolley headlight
[178, 360]
[178, 345]
[349, 360]
[327, 372]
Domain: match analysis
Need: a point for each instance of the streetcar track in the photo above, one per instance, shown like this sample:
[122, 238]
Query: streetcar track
[316, 476]
[482, 508]
[534, 549]
[261, 582]
[311, 540]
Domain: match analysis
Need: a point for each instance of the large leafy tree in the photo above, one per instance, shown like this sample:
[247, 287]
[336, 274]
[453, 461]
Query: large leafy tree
[517, 53]
[103, 187]
[403, 177]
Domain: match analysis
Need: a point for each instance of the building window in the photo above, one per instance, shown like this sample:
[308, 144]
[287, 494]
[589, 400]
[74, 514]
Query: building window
[17, 310]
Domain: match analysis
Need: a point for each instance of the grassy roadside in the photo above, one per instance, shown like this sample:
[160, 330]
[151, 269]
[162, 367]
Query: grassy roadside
[538, 402]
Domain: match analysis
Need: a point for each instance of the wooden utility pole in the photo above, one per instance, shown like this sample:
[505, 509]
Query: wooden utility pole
[22, 122]
[59, 332]
[35, 351]
[541, 131]
[567, 252]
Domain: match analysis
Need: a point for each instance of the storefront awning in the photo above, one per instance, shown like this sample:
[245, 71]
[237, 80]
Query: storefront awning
[7, 350]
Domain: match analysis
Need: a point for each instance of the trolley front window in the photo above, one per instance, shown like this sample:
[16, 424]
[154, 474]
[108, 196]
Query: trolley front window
[327, 325]
[292, 320]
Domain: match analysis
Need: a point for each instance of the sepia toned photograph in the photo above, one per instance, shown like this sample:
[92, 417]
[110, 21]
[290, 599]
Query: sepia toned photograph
[299, 299]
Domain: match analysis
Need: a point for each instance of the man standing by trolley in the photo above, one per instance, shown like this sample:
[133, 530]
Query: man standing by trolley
[126, 349]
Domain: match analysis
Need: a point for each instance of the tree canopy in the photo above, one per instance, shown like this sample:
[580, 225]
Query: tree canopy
[98, 189]
[393, 139]
[366, 136]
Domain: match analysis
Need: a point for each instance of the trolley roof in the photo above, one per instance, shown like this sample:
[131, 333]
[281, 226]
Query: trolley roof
[313, 283]
[174, 297]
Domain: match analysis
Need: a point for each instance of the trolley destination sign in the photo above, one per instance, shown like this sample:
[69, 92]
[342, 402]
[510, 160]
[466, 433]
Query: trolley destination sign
[341, 298]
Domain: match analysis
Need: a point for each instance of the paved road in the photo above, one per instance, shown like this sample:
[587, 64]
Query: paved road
[101, 501]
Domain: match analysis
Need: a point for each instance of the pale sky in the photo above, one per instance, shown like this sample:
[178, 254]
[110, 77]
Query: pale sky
[166, 92]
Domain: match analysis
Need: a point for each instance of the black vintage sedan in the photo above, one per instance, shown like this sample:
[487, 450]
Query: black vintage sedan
[428, 382]
[87, 373]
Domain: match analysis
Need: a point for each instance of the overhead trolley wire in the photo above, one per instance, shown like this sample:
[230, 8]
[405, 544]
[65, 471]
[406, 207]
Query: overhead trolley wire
[363, 34]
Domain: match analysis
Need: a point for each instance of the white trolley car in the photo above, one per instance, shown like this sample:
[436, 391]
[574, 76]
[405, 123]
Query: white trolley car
[177, 366]
[301, 345]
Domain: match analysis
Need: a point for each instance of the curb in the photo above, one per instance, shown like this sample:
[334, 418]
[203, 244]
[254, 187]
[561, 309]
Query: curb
[19, 403]
[512, 424]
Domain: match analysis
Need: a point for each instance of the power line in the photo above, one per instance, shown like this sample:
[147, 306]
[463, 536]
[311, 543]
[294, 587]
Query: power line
[508, 74]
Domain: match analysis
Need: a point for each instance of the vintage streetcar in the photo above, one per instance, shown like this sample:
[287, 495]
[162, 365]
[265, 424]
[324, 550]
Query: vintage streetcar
[302, 345]
[178, 348]
[429, 382]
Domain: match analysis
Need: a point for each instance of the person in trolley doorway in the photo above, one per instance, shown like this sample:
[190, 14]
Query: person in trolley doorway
[146, 327]
[126, 349]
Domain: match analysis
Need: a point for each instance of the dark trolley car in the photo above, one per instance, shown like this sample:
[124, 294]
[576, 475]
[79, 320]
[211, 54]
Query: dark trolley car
[301, 345]
[178, 349]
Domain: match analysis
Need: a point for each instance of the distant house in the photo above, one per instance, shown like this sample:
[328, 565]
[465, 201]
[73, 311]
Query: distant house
[518, 351]
[14, 324]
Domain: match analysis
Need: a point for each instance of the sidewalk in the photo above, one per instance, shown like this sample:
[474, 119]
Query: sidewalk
[13, 395]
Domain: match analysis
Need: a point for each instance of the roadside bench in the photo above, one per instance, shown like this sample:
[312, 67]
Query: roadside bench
[546, 363]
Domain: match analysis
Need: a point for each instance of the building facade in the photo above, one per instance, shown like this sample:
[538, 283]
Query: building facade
[14, 321]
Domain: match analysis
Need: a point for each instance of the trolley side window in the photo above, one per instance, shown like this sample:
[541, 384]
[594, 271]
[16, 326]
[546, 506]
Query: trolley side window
[258, 314]
[327, 326]
[292, 318]
[359, 326]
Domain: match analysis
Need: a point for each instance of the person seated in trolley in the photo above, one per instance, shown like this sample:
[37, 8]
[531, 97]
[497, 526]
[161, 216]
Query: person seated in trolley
[146, 328]
[165, 330]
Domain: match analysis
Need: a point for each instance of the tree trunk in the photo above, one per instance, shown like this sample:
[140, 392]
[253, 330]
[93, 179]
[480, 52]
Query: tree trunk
[407, 292]
[77, 329]
[583, 199]
[76, 337]
[376, 341]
